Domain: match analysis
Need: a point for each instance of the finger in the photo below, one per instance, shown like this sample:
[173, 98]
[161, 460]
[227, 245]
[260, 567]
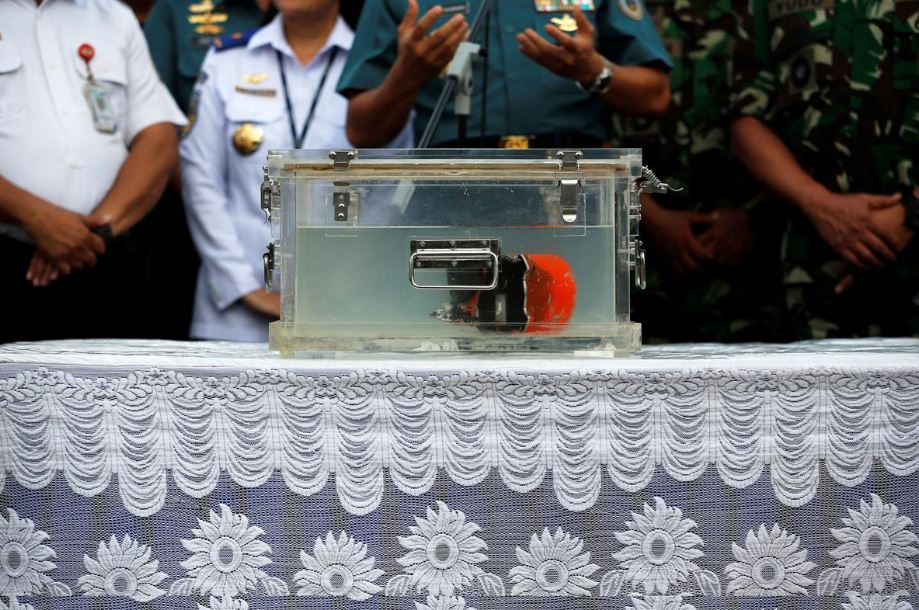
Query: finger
[444, 37]
[48, 275]
[584, 24]
[31, 271]
[543, 46]
[850, 257]
[566, 41]
[40, 273]
[411, 14]
[867, 257]
[443, 33]
[64, 268]
[449, 46]
[846, 283]
[881, 202]
[528, 48]
[428, 20]
[879, 247]
[96, 244]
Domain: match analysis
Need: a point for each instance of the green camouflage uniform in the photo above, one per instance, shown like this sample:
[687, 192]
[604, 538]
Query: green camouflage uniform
[838, 82]
[689, 148]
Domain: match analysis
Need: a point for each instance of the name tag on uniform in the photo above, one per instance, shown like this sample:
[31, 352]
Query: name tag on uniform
[556, 6]
[202, 42]
[782, 8]
[98, 99]
[258, 92]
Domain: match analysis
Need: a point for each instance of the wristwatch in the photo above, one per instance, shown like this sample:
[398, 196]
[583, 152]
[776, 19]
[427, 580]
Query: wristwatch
[105, 232]
[911, 205]
[602, 82]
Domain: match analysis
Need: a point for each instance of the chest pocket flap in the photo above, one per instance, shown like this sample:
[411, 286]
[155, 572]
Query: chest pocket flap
[107, 65]
[249, 107]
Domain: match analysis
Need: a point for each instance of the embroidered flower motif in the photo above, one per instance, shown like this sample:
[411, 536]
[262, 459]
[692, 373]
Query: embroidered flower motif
[227, 554]
[122, 570]
[660, 548]
[770, 565]
[23, 557]
[15, 604]
[875, 545]
[443, 552]
[659, 602]
[443, 602]
[554, 566]
[876, 601]
[224, 603]
[338, 568]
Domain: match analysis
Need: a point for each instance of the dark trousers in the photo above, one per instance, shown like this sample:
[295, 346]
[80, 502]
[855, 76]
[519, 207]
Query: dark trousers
[93, 303]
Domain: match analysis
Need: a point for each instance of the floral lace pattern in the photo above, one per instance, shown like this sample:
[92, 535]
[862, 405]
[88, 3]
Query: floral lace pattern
[157, 429]
[447, 558]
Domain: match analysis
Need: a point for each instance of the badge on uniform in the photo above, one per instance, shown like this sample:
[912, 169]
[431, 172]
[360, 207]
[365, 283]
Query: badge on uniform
[633, 9]
[566, 24]
[97, 95]
[558, 6]
[247, 138]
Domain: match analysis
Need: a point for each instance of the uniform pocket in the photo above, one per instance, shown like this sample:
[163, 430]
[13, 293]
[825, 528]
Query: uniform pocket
[12, 81]
[110, 70]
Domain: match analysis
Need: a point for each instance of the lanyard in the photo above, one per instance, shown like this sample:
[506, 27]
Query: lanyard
[298, 140]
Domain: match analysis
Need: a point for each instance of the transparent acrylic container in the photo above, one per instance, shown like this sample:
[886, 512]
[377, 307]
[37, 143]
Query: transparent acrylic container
[423, 251]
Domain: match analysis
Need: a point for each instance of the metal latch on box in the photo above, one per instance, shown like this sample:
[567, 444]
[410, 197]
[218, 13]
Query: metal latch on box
[569, 183]
[470, 255]
[268, 260]
[341, 198]
[271, 190]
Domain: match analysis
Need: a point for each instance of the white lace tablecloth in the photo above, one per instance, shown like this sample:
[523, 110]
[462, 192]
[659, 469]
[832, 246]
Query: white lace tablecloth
[208, 475]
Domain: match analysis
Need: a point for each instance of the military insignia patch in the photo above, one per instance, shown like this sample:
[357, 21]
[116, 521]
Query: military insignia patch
[566, 24]
[633, 9]
[193, 104]
[254, 79]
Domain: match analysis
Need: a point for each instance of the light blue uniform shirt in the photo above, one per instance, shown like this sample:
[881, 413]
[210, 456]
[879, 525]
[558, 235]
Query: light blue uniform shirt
[221, 186]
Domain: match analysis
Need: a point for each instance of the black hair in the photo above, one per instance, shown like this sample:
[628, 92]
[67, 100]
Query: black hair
[350, 10]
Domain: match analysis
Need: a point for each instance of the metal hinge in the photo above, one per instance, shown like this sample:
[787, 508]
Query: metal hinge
[342, 158]
[569, 183]
[271, 191]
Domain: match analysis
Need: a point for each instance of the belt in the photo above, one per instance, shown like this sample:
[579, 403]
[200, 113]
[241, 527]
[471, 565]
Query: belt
[556, 140]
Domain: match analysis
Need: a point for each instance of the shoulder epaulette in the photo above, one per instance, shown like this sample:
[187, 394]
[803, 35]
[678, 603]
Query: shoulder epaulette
[231, 41]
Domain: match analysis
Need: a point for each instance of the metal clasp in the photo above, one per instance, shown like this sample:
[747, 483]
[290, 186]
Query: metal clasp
[641, 267]
[458, 254]
[271, 189]
[268, 260]
[650, 183]
[569, 183]
[341, 159]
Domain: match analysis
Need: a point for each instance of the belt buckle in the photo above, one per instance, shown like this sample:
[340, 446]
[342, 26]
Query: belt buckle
[515, 141]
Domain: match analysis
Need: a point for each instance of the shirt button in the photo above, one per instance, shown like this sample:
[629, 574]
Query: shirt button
[72, 163]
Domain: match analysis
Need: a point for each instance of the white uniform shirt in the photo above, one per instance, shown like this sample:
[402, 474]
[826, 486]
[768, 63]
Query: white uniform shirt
[48, 143]
[221, 186]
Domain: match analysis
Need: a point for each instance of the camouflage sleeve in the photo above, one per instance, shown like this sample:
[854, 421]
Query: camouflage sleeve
[753, 78]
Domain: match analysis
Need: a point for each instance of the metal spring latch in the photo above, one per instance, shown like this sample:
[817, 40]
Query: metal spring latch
[650, 183]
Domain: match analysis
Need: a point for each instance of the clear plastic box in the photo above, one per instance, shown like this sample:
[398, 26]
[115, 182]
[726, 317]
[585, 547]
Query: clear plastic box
[421, 251]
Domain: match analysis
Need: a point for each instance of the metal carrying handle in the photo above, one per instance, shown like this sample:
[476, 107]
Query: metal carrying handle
[457, 256]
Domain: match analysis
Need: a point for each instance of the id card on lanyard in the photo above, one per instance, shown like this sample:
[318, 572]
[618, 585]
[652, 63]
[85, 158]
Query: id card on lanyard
[97, 96]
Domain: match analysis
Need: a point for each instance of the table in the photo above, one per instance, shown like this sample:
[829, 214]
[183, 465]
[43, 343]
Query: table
[208, 475]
